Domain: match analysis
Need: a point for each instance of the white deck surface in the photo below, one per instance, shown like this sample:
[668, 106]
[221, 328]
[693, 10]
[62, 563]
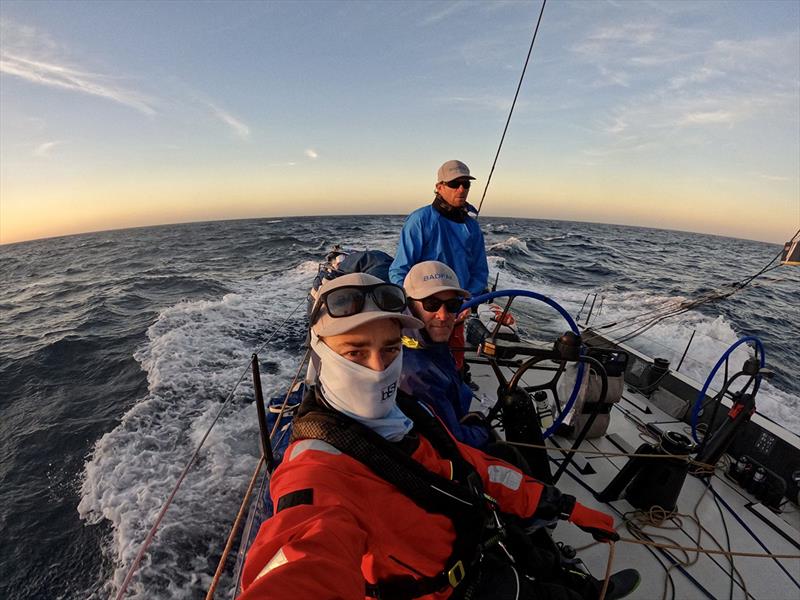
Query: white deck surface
[709, 576]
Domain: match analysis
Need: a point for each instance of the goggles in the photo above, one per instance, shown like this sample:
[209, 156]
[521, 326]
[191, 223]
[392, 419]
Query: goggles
[347, 301]
[432, 304]
[454, 185]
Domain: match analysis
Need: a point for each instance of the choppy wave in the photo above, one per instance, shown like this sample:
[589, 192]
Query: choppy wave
[512, 245]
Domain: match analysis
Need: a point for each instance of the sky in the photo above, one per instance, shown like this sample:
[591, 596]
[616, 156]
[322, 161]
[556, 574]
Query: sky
[677, 115]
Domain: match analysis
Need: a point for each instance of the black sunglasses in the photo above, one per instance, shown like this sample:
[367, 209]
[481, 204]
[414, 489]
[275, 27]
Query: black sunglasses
[432, 304]
[454, 185]
[349, 300]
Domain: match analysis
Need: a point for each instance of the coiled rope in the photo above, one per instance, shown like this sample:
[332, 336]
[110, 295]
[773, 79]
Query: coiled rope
[636, 521]
[513, 104]
[151, 534]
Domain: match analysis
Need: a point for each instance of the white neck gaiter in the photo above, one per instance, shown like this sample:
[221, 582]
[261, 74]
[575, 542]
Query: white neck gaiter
[359, 392]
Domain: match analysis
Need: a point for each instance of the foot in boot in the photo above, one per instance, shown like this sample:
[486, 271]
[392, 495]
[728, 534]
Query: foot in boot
[622, 583]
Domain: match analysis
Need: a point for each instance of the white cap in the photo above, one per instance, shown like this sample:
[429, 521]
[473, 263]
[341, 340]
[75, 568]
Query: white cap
[452, 169]
[327, 325]
[429, 278]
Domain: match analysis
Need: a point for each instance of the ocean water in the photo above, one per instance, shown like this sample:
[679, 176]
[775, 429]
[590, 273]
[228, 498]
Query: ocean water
[117, 349]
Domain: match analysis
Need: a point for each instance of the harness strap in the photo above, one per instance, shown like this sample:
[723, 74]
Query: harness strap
[461, 499]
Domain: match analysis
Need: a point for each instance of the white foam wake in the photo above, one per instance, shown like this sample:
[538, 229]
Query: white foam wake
[194, 354]
[512, 244]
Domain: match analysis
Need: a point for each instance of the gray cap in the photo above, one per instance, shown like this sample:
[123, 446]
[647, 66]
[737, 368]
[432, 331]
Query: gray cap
[327, 325]
[429, 278]
[453, 169]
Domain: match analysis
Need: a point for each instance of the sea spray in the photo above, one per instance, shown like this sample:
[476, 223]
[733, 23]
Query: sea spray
[194, 354]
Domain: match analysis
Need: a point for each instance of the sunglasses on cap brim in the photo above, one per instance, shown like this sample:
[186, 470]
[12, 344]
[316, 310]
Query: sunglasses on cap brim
[347, 301]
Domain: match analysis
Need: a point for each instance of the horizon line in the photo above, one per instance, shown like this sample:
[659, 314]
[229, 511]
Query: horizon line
[177, 223]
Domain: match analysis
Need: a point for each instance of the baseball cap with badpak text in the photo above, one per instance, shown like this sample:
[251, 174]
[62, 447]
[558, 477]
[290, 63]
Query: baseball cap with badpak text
[452, 169]
[429, 278]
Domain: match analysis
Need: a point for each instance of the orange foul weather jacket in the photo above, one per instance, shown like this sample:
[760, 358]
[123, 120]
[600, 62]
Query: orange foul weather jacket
[352, 526]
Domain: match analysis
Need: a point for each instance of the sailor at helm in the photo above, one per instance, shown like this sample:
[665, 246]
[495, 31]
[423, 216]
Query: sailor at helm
[375, 498]
[444, 231]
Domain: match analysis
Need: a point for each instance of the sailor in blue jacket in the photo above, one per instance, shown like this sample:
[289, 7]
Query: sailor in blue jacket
[429, 370]
[444, 231]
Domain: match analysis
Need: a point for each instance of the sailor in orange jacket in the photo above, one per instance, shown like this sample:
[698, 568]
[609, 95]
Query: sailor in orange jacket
[348, 523]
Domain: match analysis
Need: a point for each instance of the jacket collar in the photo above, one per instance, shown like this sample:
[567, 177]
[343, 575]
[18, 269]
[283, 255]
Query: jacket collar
[458, 215]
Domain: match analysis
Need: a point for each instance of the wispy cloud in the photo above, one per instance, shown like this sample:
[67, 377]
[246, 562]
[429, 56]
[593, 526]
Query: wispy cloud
[773, 177]
[65, 77]
[237, 126]
[25, 54]
[668, 84]
[311, 153]
[43, 150]
[701, 74]
[496, 103]
[442, 13]
[714, 116]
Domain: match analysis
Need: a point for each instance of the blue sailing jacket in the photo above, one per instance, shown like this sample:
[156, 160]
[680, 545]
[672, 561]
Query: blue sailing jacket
[429, 235]
[430, 375]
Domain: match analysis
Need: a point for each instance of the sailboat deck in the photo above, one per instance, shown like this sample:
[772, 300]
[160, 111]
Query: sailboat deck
[725, 511]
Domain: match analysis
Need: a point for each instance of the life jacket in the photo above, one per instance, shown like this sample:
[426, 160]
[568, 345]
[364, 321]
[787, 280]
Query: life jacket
[461, 498]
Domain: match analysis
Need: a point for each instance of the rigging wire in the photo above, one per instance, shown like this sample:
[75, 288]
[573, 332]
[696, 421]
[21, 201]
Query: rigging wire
[236, 523]
[513, 104]
[151, 534]
[234, 529]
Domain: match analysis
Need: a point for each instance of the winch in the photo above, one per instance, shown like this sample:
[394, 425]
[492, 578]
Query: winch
[649, 481]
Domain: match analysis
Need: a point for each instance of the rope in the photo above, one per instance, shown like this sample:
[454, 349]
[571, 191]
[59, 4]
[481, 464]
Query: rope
[706, 551]
[288, 393]
[151, 534]
[513, 104]
[234, 529]
[611, 551]
[635, 522]
[691, 461]
[657, 516]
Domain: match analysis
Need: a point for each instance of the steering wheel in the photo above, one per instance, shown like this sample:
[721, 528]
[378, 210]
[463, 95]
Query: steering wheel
[698, 404]
[572, 325]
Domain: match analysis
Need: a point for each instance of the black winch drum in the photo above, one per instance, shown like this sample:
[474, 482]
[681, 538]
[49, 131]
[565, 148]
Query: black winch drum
[651, 481]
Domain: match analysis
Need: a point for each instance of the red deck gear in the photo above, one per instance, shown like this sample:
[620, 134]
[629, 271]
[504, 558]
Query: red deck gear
[457, 343]
[359, 527]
